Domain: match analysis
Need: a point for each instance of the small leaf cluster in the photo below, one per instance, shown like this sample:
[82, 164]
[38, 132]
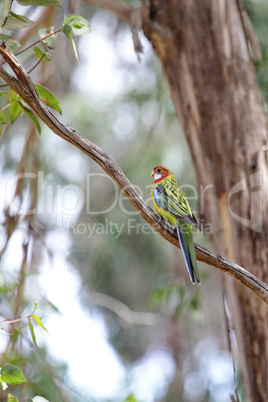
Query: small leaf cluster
[73, 25]
[14, 21]
[173, 297]
[15, 105]
[38, 321]
[13, 375]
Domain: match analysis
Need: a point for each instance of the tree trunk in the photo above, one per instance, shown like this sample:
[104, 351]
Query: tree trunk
[204, 53]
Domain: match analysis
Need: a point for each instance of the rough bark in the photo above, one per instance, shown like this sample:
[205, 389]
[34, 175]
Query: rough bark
[204, 53]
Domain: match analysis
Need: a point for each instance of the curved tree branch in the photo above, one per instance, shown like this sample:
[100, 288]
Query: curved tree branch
[24, 86]
[121, 10]
[121, 310]
[135, 17]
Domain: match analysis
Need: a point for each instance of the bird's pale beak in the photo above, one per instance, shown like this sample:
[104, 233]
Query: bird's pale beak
[152, 174]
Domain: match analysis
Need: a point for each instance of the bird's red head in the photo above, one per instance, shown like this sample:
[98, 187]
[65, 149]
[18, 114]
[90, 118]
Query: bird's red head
[160, 172]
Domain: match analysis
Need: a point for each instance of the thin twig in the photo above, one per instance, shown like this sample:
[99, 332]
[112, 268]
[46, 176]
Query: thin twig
[5, 107]
[252, 41]
[31, 45]
[120, 9]
[24, 86]
[6, 17]
[38, 41]
[36, 64]
[31, 69]
[12, 321]
[45, 19]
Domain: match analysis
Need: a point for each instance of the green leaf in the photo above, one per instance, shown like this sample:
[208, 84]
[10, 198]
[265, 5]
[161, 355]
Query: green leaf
[16, 21]
[3, 384]
[74, 25]
[31, 115]
[12, 95]
[43, 32]
[12, 398]
[14, 111]
[11, 43]
[52, 307]
[48, 98]
[35, 305]
[6, 7]
[67, 30]
[78, 24]
[53, 3]
[12, 375]
[38, 321]
[168, 291]
[32, 331]
[131, 398]
[3, 117]
[39, 54]
[194, 303]
[179, 309]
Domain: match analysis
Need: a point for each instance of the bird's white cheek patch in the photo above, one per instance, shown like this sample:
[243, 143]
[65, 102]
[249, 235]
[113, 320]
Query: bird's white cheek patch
[157, 176]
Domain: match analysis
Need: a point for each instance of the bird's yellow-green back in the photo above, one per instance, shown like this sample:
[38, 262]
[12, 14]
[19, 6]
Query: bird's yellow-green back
[171, 204]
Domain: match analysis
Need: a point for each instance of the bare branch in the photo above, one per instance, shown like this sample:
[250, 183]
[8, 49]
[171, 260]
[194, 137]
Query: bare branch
[12, 321]
[121, 10]
[132, 16]
[24, 86]
[122, 311]
[252, 40]
[45, 19]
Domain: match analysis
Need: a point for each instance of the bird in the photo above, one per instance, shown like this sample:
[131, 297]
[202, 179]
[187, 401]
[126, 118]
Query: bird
[171, 204]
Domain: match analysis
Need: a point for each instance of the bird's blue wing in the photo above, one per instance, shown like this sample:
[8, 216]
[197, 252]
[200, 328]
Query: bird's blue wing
[174, 201]
[160, 196]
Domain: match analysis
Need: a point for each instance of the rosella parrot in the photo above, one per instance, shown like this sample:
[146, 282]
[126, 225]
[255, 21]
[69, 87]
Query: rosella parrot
[171, 204]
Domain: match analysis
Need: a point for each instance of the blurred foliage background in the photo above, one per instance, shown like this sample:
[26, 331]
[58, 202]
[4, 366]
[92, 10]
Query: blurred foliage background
[124, 321]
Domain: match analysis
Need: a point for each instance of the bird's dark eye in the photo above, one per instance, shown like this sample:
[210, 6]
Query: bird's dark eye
[158, 170]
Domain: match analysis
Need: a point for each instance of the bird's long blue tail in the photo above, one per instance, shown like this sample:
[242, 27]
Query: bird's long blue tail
[188, 250]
